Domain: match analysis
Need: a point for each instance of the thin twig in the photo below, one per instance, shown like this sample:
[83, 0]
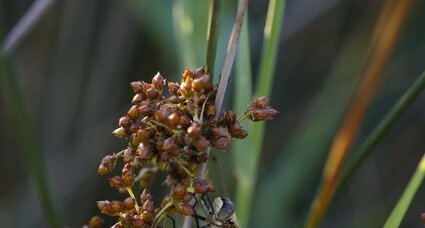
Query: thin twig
[230, 57]
[25, 25]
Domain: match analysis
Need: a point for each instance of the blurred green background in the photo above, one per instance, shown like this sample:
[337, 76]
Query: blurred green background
[66, 82]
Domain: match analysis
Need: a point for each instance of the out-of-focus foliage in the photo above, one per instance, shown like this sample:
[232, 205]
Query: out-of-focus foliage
[73, 71]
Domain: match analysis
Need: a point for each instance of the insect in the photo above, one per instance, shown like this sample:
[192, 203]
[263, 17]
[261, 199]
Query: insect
[221, 213]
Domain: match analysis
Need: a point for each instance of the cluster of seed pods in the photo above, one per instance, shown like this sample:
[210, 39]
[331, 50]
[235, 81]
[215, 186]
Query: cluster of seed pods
[172, 134]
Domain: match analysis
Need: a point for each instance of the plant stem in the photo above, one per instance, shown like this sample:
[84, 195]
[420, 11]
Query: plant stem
[212, 36]
[380, 131]
[397, 215]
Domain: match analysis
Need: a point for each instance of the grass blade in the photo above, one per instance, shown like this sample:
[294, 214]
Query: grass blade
[380, 131]
[396, 216]
[212, 36]
[383, 42]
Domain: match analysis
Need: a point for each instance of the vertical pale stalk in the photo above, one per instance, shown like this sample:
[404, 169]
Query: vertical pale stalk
[383, 42]
[397, 215]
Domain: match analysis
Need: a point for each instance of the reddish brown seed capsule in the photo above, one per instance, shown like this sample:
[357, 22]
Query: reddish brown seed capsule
[146, 216]
[95, 222]
[230, 117]
[148, 206]
[161, 115]
[137, 86]
[105, 206]
[145, 151]
[158, 81]
[187, 73]
[194, 130]
[129, 203]
[116, 182]
[127, 174]
[116, 206]
[173, 120]
[137, 98]
[220, 143]
[263, 114]
[107, 165]
[237, 131]
[179, 192]
[145, 110]
[133, 112]
[201, 143]
[201, 83]
[259, 103]
[220, 132]
[152, 93]
[173, 88]
[120, 133]
[124, 122]
[210, 110]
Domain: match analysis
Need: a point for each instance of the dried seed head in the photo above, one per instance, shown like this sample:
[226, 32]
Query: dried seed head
[116, 206]
[237, 131]
[220, 132]
[145, 196]
[173, 88]
[95, 222]
[230, 117]
[162, 115]
[139, 97]
[263, 114]
[116, 182]
[194, 130]
[146, 216]
[158, 82]
[201, 143]
[152, 93]
[120, 133]
[186, 210]
[105, 206]
[129, 203]
[137, 86]
[260, 103]
[201, 83]
[127, 174]
[107, 165]
[173, 120]
[148, 206]
[145, 151]
[220, 143]
[124, 122]
[133, 112]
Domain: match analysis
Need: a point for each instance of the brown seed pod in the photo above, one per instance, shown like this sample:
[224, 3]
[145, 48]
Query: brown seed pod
[152, 93]
[194, 130]
[116, 206]
[95, 222]
[263, 114]
[260, 103]
[124, 122]
[137, 86]
[173, 88]
[120, 133]
[230, 117]
[107, 165]
[186, 210]
[158, 81]
[129, 203]
[201, 83]
[220, 143]
[127, 174]
[202, 143]
[147, 217]
[133, 112]
[237, 131]
[139, 97]
[116, 182]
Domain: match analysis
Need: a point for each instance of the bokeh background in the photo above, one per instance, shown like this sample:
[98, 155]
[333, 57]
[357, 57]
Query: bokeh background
[66, 83]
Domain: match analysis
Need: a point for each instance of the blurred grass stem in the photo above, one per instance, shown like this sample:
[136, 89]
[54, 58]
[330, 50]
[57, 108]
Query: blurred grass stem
[386, 33]
[212, 36]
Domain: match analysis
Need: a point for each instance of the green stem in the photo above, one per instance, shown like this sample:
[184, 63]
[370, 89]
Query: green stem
[212, 36]
[29, 142]
[383, 127]
[397, 215]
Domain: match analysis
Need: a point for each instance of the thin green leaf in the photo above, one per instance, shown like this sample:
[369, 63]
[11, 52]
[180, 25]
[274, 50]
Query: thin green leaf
[397, 215]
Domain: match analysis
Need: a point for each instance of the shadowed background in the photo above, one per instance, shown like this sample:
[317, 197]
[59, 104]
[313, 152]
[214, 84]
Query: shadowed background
[72, 71]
